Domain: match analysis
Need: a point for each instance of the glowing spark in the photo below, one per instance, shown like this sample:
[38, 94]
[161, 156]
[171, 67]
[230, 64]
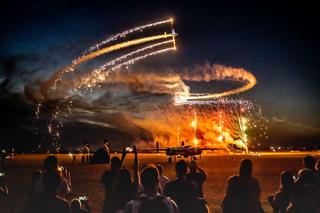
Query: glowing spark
[195, 142]
[194, 124]
[126, 32]
[57, 76]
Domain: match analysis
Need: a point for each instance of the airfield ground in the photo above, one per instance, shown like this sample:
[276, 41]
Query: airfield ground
[86, 178]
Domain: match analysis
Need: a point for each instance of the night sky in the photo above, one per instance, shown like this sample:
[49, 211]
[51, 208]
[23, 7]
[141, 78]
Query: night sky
[278, 43]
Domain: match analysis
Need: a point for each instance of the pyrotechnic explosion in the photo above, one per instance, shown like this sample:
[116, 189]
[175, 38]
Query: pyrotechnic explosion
[199, 119]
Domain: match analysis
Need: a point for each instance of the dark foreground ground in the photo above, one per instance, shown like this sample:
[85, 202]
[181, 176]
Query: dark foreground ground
[85, 178]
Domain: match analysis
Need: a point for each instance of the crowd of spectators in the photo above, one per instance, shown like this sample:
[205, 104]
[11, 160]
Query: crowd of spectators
[148, 190]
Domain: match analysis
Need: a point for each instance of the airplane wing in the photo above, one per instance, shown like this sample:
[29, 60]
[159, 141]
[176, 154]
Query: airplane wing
[152, 150]
[212, 148]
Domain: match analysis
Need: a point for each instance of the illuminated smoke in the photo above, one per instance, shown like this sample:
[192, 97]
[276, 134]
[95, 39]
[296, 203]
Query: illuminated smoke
[212, 72]
[167, 118]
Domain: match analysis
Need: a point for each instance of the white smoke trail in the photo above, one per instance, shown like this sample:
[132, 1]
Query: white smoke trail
[210, 72]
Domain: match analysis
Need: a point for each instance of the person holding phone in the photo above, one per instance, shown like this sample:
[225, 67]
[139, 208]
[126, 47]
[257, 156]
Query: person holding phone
[197, 175]
[128, 186]
[47, 200]
[80, 205]
[51, 163]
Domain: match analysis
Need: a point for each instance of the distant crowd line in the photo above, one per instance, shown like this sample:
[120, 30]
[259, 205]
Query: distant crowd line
[148, 190]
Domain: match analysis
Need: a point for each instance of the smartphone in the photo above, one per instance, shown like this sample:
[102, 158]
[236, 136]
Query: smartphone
[2, 174]
[83, 198]
[129, 149]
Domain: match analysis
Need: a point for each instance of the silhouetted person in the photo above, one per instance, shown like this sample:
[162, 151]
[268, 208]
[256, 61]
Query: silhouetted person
[85, 152]
[78, 206]
[32, 188]
[127, 188]
[150, 200]
[281, 200]
[51, 164]
[3, 187]
[183, 191]
[157, 146]
[318, 172]
[305, 197]
[163, 180]
[74, 159]
[197, 175]
[309, 162]
[3, 157]
[243, 191]
[108, 180]
[106, 147]
[48, 201]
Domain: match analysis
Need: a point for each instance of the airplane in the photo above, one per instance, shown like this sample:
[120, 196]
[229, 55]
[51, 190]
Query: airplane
[185, 151]
[182, 151]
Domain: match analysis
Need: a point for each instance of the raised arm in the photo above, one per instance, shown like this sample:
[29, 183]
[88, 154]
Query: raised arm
[202, 172]
[4, 190]
[136, 170]
[123, 156]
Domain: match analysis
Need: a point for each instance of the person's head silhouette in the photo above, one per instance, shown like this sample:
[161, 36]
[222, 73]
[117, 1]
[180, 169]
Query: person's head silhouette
[245, 168]
[51, 181]
[115, 164]
[286, 179]
[193, 166]
[181, 168]
[75, 205]
[309, 162]
[160, 169]
[124, 178]
[150, 177]
[36, 175]
[51, 163]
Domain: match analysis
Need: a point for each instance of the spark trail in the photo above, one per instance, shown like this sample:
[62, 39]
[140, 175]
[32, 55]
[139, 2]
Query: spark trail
[232, 132]
[57, 76]
[98, 75]
[126, 32]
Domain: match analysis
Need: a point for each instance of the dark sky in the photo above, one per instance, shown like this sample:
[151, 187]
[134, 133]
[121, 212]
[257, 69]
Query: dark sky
[277, 42]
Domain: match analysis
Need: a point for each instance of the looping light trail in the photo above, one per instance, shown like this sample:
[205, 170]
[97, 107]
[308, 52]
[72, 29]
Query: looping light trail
[242, 76]
[158, 45]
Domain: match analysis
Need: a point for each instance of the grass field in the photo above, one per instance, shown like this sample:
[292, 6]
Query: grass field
[85, 178]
